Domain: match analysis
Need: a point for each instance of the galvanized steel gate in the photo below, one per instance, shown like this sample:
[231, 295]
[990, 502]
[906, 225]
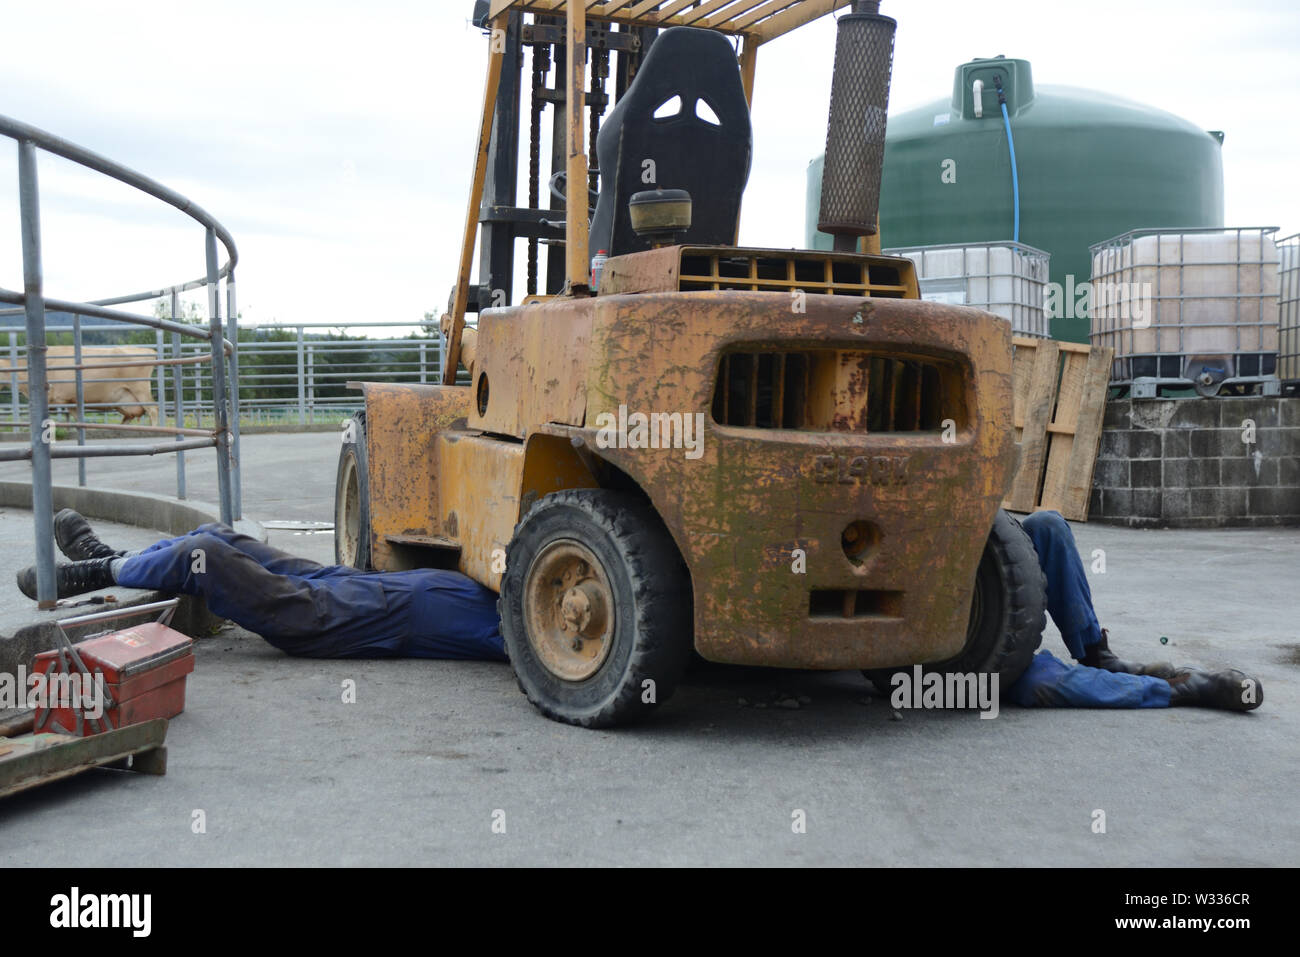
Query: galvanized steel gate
[224, 436]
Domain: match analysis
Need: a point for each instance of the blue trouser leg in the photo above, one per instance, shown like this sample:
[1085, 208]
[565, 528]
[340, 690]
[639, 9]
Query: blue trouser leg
[269, 557]
[335, 616]
[1051, 683]
[1069, 599]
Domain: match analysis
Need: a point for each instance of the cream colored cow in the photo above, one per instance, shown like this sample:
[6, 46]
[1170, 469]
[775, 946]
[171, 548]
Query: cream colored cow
[127, 389]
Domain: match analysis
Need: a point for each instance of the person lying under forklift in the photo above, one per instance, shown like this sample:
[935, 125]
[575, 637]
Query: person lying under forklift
[318, 611]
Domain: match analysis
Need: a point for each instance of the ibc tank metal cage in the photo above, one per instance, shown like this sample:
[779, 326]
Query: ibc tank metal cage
[1188, 309]
[1007, 279]
[1288, 312]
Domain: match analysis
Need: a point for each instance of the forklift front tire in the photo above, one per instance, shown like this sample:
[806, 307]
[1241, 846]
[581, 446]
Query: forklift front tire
[1008, 612]
[352, 498]
[595, 608]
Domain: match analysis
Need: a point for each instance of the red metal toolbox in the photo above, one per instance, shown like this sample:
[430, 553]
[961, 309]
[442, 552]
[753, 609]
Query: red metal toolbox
[142, 670]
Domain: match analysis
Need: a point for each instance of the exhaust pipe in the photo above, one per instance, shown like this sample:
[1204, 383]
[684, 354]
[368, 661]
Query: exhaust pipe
[855, 130]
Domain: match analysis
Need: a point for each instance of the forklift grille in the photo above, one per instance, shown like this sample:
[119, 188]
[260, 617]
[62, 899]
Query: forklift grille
[836, 391]
[807, 272]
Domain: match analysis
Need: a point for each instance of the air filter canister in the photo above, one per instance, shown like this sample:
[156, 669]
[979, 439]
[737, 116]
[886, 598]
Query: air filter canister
[855, 132]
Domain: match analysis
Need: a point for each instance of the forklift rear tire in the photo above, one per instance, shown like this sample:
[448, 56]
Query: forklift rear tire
[595, 608]
[352, 498]
[1007, 615]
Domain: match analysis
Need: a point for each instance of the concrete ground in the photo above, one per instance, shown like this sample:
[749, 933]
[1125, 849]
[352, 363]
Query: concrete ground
[281, 771]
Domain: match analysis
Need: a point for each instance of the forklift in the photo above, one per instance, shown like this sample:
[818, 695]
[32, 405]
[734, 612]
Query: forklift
[669, 443]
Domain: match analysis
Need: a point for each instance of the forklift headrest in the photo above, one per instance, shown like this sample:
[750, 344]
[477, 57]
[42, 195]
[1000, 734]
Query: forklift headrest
[683, 123]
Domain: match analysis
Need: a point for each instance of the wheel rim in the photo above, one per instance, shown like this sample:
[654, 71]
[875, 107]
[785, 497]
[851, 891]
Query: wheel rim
[569, 610]
[347, 525]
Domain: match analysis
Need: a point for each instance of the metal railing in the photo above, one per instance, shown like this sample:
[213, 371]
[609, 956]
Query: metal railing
[289, 374]
[224, 434]
[301, 374]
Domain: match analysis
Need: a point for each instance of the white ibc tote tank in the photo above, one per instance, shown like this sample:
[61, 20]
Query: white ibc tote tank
[1189, 308]
[1007, 279]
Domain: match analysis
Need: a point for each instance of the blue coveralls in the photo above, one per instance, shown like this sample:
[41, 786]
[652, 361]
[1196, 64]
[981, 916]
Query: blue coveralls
[338, 612]
[322, 611]
[1050, 682]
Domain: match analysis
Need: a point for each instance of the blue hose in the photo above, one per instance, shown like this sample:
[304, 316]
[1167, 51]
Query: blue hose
[1015, 177]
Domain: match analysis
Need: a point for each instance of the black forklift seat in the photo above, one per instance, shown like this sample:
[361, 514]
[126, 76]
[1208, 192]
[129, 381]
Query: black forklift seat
[683, 123]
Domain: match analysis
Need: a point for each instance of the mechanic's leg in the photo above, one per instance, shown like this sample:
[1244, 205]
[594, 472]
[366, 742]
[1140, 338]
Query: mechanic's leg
[1051, 683]
[77, 531]
[285, 610]
[268, 556]
[1069, 599]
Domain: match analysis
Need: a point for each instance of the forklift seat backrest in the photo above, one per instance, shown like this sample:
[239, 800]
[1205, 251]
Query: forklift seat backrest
[683, 123]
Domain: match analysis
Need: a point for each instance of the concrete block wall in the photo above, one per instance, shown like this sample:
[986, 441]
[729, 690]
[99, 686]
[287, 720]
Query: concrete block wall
[1190, 463]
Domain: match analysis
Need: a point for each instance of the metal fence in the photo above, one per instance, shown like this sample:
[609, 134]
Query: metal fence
[300, 373]
[32, 373]
[288, 374]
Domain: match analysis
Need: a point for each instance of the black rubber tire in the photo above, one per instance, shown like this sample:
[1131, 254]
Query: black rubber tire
[653, 610]
[1008, 613]
[353, 461]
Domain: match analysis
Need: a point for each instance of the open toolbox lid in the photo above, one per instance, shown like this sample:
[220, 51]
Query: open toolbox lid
[129, 652]
[148, 659]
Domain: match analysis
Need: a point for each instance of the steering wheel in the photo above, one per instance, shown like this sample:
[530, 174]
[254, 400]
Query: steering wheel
[559, 185]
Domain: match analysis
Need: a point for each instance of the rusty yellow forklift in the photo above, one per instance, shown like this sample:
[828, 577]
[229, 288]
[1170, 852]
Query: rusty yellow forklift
[772, 457]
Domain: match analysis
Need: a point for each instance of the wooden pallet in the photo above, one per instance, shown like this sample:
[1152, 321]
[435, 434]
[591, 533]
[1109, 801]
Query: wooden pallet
[32, 759]
[1060, 398]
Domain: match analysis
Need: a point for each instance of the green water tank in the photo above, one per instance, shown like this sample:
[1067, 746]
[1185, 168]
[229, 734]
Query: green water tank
[1091, 166]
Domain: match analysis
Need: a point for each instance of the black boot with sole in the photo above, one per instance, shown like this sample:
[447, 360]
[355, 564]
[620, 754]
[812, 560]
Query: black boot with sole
[77, 540]
[1229, 690]
[74, 579]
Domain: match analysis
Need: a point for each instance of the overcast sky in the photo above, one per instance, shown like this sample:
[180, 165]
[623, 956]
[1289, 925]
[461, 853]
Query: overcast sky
[334, 139]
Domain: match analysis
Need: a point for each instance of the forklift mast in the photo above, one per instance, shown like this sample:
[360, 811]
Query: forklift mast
[582, 58]
[613, 52]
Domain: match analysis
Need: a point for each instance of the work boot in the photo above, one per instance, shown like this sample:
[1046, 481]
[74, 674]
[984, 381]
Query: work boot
[1230, 690]
[1100, 656]
[74, 579]
[77, 540]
